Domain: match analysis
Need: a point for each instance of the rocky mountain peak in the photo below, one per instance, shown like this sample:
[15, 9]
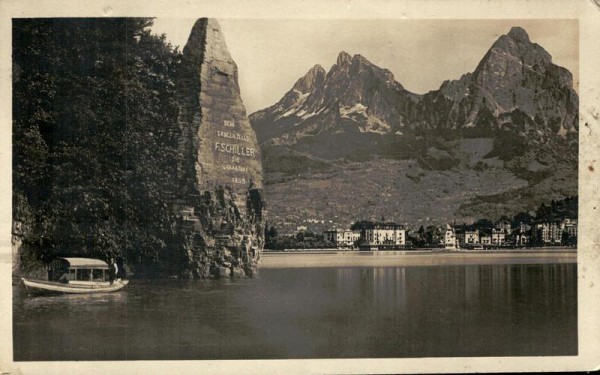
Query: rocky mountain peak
[515, 77]
[313, 78]
[354, 97]
[511, 62]
[518, 34]
[517, 45]
[360, 59]
[344, 59]
[515, 86]
[361, 63]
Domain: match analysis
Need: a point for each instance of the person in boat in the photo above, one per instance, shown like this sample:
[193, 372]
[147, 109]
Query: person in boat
[113, 270]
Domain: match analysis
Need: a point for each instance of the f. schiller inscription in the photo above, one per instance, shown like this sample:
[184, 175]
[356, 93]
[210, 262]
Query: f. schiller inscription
[235, 149]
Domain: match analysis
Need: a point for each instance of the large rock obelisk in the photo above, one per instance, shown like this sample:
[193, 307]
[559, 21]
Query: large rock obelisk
[220, 203]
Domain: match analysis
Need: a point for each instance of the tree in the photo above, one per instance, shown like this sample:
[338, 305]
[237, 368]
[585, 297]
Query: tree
[522, 217]
[484, 225]
[272, 232]
[94, 135]
[433, 235]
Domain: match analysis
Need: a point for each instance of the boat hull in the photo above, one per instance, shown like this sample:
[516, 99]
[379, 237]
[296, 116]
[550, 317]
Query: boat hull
[39, 286]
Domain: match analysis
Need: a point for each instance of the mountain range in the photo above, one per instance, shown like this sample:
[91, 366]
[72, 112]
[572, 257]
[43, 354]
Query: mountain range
[500, 139]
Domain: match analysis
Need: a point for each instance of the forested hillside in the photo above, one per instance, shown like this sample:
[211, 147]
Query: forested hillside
[92, 102]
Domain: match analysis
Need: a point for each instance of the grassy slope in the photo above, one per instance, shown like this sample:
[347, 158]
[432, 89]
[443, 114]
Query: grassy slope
[416, 192]
[477, 184]
[398, 190]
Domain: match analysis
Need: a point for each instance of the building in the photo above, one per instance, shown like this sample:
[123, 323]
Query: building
[471, 237]
[486, 239]
[504, 226]
[381, 236]
[498, 237]
[450, 241]
[556, 233]
[468, 238]
[521, 235]
[342, 237]
[549, 233]
[354, 236]
[524, 228]
[521, 239]
[569, 226]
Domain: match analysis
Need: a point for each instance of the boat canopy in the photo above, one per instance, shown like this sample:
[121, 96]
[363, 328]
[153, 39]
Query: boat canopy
[88, 263]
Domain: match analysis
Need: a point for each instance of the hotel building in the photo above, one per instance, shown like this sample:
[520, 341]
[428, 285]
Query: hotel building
[379, 236]
[342, 237]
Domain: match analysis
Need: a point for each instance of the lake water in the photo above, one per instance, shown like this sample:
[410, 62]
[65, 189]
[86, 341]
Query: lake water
[325, 312]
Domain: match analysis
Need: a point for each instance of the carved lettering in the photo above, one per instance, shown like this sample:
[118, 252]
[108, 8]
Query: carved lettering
[235, 149]
[241, 137]
[237, 168]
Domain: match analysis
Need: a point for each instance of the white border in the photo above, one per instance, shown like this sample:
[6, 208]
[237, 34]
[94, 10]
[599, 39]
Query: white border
[589, 169]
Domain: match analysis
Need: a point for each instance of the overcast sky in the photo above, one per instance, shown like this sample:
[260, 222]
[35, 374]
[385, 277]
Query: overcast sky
[272, 54]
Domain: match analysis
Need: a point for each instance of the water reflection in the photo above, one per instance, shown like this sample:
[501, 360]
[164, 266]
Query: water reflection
[383, 287]
[490, 310]
[383, 284]
[34, 301]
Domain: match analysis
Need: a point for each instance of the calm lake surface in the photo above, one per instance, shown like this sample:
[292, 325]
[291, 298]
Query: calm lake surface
[325, 312]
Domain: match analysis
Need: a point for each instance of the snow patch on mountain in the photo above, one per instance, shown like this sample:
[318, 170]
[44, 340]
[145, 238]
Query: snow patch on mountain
[296, 106]
[358, 108]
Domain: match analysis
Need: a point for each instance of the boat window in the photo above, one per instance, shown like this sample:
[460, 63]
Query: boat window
[83, 274]
[97, 275]
[72, 275]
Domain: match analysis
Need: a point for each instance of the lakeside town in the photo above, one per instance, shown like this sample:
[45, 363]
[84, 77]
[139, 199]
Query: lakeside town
[549, 226]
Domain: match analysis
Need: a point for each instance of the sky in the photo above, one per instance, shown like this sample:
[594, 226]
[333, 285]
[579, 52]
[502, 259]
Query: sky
[272, 54]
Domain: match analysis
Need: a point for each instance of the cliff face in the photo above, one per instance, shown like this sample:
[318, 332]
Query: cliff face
[219, 207]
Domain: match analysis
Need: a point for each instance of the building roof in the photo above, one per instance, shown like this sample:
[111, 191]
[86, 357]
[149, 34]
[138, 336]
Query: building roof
[333, 230]
[378, 225]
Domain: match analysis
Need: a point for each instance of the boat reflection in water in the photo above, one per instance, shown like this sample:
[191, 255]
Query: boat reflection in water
[43, 300]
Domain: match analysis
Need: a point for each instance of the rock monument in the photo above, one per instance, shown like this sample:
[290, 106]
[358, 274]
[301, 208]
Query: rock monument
[219, 206]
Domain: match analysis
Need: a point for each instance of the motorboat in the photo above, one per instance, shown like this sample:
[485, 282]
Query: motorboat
[76, 276]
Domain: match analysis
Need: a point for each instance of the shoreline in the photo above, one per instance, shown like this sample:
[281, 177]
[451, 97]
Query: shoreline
[414, 258]
[424, 250]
